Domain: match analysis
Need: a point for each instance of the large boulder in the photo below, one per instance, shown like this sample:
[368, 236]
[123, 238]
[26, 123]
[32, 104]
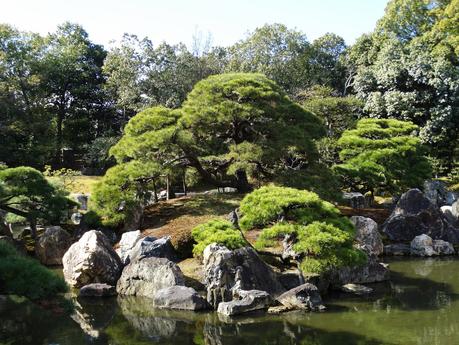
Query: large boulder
[91, 260]
[52, 245]
[367, 235]
[224, 268]
[371, 272]
[146, 276]
[128, 241]
[179, 297]
[415, 215]
[306, 297]
[152, 247]
[250, 301]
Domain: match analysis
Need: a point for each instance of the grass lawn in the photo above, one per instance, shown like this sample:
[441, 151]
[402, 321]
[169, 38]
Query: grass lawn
[78, 184]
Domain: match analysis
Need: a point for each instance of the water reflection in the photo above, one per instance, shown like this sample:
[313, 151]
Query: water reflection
[418, 306]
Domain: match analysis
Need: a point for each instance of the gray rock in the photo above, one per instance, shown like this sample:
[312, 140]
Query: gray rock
[372, 272]
[91, 260]
[451, 197]
[356, 289]
[436, 192]
[291, 279]
[415, 215]
[97, 290]
[152, 247]
[422, 245]
[448, 213]
[354, 199]
[179, 297]
[397, 249]
[82, 199]
[221, 266]
[76, 218]
[305, 297]
[455, 209]
[135, 220]
[146, 276]
[52, 245]
[367, 235]
[443, 248]
[252, 300]
[127, 243]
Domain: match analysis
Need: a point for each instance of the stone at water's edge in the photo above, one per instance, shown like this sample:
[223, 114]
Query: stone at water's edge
[252, 300]
[97, 290]
[397, 249]
[423, 245]
[415, 215]
[306, 297]
[127, 242]
[91, 260]
[356, 289]
[52, 245]
[146, 276]
[179, 297]
[372, 272]
[221, 265]
[367, 235]
[152, 247]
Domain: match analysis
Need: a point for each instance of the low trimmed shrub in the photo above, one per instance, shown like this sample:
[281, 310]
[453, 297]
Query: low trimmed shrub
[24, 276]
[324, 238]
[216, 231]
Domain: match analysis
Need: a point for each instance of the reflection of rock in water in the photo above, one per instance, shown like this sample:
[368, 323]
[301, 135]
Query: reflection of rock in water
[424, 267]
[94, 314]
[256, 329]
[138, 312]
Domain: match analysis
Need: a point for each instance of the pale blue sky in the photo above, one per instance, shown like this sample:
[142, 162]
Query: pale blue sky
[177, 20]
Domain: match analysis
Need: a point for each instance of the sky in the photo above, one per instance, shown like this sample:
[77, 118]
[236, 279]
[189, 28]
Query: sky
[176, 21]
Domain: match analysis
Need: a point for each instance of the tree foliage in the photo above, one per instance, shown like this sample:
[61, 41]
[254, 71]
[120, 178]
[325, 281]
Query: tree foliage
[408, 69]
[234, 130]
[25, 192]
[323, 237]
[382, 155]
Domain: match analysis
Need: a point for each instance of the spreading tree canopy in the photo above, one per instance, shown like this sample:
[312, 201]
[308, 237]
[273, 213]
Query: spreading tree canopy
[25, 192]
[382, 154]
[233, 130]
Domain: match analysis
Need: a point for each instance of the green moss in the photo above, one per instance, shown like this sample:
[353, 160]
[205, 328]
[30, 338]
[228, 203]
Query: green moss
[216, 231]
[24, 276]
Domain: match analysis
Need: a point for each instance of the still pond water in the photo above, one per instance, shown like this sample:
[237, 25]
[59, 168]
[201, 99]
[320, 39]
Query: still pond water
[420, 305]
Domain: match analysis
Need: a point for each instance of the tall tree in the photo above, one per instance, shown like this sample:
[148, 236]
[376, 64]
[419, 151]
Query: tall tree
[72, 72]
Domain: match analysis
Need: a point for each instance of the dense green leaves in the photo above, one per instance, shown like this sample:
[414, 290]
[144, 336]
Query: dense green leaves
[23, 276]
[382, 155]
[216, 231]
[25, 192]
[324, 238]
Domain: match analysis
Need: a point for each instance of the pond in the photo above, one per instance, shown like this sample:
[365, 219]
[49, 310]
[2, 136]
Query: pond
[420, 305]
